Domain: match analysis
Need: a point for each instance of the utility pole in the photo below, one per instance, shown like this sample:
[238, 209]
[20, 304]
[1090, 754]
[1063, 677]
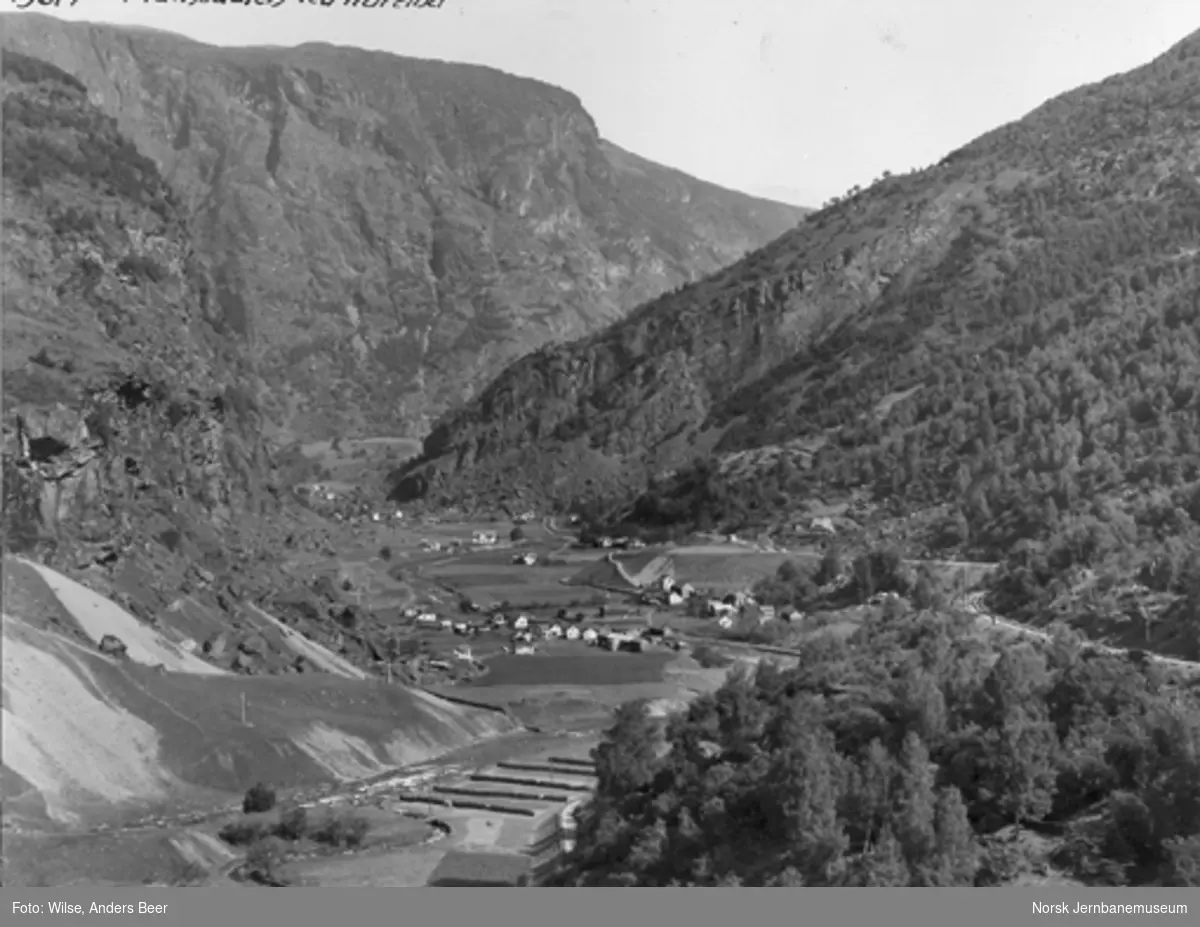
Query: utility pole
[244, 724]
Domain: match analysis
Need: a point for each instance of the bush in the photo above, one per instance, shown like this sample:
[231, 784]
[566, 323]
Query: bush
[243, 833]
[259, 797]
[385, 553]
[517, 534]
[345, 832]
[262, 861]
[293, 825]
[710, 657]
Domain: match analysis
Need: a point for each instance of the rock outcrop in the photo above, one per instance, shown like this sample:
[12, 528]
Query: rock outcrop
[128, 416]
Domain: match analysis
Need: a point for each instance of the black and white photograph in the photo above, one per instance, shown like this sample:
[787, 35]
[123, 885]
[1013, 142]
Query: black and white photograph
[551, 444]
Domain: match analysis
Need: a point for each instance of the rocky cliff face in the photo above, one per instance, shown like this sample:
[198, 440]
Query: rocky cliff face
[124, 403]
[385, 235]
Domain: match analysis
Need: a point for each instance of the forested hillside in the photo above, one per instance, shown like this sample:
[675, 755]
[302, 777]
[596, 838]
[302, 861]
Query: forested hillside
[913, 753]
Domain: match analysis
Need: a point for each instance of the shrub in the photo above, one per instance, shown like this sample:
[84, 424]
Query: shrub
[385, 553]
[259, 797]
[517, 534]
[293, 825]
[342, 831]
[262, 861]
[710, 657]
[242, 833]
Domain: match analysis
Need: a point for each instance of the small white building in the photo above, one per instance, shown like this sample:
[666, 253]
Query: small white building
[822, 526]
[573, 633]
[411, 613]
[447, 624]
[674, 597]
[554, 631]
[460, 627]
[521, 622]
[725, 622]
[427, 618]
[589, 635]
[524, 649]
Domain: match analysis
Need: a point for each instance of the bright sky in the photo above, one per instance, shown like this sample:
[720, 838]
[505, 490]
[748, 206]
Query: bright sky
[795, 99]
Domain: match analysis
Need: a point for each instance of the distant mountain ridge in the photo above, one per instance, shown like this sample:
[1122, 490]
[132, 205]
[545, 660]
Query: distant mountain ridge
[386, 234]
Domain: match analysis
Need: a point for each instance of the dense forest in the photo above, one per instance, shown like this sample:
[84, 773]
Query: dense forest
[912, 753]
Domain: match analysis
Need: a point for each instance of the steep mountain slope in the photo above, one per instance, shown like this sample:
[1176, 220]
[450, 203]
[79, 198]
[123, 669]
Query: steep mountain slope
[383, 234]
[1013, 332]
[128, 413]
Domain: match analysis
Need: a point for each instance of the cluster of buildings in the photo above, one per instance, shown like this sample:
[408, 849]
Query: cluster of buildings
[619, 543]
[345, 507]
[526, 632]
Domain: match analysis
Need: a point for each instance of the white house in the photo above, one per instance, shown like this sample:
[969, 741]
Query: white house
[687, 590]
[589, 635]
[463, 653]
[822, 525]
[521, 622]
[725, 622]
[374, 516]
[674, 597]
[411, 613]
[460, 627]
[716, 607]
[554, 631]
[447, 624]
[524, 649]
[668, 583]
[766, 613]
[572, 633]
[499, 621]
